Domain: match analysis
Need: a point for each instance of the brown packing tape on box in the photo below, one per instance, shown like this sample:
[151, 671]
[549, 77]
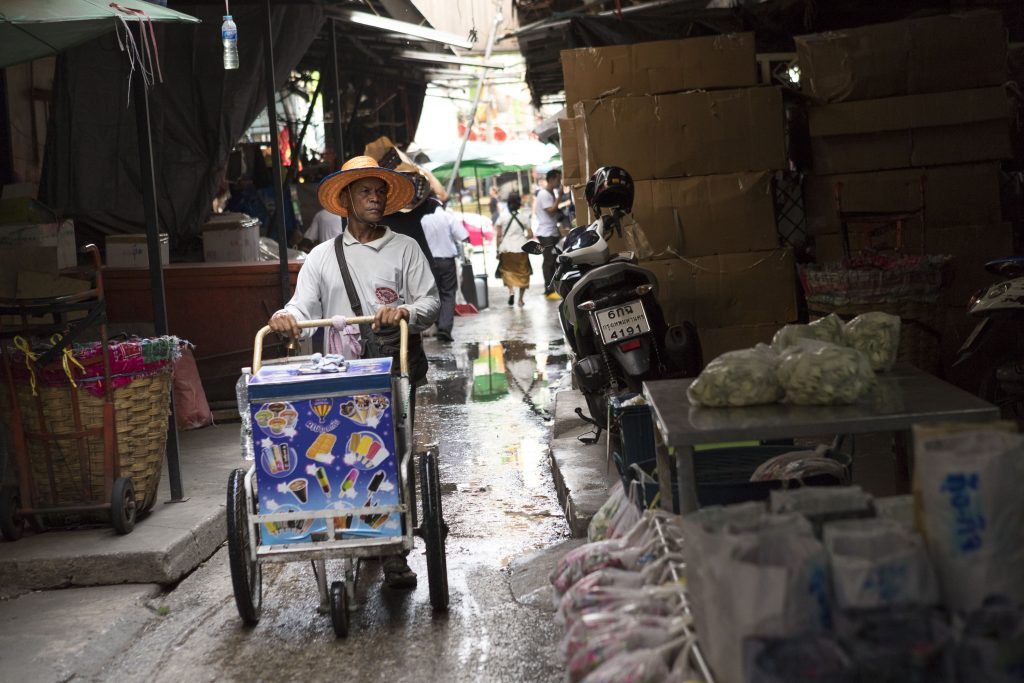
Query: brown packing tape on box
[956, 195]
[701, 216]
[571, 174]
[728, 289]
[933, 54]
[652, 68]
[972, 246]
[910, 131]
[685, 134]
[714, 341]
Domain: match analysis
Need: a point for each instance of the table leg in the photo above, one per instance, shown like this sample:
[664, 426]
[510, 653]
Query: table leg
[664, 471]
[687, 480]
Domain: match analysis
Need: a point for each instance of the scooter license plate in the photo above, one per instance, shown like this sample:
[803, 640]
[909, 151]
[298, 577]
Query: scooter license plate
[622, 322]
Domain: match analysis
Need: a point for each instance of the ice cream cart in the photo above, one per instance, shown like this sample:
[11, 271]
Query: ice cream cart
[332, 449]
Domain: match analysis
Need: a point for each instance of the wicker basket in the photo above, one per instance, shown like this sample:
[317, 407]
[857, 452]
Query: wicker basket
[141, 413]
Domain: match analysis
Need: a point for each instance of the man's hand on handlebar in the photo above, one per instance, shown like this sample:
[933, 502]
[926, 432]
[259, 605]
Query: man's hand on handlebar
[387, 316]
[285, 323]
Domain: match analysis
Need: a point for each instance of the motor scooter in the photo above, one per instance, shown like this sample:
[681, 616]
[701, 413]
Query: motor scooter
[997, 342]
[610, 314]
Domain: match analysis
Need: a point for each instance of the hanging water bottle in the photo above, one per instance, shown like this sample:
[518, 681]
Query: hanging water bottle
[229, 36]
[245, 433]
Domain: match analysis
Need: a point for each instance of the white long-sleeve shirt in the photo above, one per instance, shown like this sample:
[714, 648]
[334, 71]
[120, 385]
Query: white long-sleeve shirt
[391, 270]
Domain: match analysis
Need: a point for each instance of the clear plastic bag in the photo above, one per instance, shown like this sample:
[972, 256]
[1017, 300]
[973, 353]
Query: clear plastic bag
[650, 600]
[641, 666]
[738, 378]
[598, 529]
[828, 329]
[877, 336]
[594, 624]
[819, 373]
[610, 644]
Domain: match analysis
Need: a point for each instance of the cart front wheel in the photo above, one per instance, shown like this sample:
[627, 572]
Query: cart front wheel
[122, 506]
[246, 574]
[339, 609]
[434, 531]
[12, 524]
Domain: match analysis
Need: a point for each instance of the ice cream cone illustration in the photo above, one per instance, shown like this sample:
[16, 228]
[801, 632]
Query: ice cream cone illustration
[296, 487]
[348, 409]
[363, 408]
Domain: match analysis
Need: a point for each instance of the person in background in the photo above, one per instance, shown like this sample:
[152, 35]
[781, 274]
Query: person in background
[493, 204]
[546, 211]
[324, 227]
[390, 277]
[445, 236]
[511, 233]
[409, 221]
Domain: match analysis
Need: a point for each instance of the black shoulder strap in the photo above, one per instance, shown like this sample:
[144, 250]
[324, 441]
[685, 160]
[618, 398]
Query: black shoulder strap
[515, 217]
[350, 288]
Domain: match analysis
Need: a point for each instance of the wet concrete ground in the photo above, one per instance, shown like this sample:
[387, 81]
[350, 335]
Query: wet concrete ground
[499, 502]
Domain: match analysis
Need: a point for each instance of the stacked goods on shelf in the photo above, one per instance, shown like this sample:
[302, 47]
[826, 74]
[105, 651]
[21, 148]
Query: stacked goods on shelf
[700, 138]
[909, 115]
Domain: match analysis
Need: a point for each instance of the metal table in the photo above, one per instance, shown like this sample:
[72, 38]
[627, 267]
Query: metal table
[904, 396]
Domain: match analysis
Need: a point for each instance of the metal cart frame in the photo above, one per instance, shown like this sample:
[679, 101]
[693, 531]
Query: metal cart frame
[17, 504]
[246, 553]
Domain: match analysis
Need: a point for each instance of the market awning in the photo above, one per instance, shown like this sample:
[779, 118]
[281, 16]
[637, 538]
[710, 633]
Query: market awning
[30, 29]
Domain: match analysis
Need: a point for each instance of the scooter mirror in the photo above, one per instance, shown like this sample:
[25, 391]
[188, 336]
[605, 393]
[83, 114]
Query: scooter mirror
[533, 247]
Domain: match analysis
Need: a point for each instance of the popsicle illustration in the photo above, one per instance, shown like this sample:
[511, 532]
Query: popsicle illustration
[375, 483]
[320, 449]
[349, 482]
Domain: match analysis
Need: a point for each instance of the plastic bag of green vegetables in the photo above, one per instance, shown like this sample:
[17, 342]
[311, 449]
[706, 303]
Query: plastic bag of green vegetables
[738, 378]
[827, 329]
[819, 373]
[877, 335]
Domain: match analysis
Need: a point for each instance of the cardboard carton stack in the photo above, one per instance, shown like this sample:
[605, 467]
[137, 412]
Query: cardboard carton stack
[901, 100]
[700, 138]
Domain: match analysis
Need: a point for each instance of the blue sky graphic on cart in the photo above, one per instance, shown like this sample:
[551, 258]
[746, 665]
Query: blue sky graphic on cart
[325, 442]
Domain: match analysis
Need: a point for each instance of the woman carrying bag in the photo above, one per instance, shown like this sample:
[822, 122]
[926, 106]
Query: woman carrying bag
[513, 263]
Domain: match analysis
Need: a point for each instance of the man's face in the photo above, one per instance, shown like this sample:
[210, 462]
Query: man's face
[365, 199]
[556, 181]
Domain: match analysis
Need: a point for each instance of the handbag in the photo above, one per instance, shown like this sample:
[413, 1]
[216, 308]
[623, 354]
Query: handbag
[381, 344]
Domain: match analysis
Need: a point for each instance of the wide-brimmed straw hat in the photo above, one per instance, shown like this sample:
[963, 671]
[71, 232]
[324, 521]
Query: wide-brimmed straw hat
[400, 188]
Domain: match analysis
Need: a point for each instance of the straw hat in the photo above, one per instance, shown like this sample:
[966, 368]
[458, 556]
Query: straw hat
[400, 188]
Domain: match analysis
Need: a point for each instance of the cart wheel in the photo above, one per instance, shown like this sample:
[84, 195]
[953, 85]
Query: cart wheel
[246, 573]
[122, 506]
[434, 532]
[339, 609]
[12, 525]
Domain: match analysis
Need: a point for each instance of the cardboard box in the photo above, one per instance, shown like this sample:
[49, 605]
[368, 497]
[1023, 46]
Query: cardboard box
[132, 251]
[231, 237]
[934, 54]
[910, 131]
[571, 173]
[723, 61]
[953, 195]
[701, 216]
[579, 200]
[729, 289]
[972, 246]
[687, 134]
[57, 238]
[715, 341]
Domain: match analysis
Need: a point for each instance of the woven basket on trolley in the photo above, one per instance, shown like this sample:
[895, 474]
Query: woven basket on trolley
[141, 411]
[903, 285]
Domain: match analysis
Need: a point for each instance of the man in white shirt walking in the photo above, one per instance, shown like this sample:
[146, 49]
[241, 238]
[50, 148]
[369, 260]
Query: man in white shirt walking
[545, 209]
[389, 272]
[445, 235]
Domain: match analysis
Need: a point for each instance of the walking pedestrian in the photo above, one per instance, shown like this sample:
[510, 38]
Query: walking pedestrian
[512, 233]
[546, 212]
[445, 235]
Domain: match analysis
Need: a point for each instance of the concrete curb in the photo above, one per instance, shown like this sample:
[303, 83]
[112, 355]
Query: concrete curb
[580, 471]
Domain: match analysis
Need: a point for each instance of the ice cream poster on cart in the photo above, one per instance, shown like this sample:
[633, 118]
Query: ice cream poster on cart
[335, 451]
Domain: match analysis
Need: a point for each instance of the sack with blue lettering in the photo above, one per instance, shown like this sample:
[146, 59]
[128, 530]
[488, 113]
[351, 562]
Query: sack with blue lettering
[879, 563]
[970, 509]
[747, 578]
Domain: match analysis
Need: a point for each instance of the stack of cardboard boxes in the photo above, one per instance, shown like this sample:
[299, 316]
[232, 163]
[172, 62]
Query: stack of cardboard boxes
[902, 101]
[700, 138]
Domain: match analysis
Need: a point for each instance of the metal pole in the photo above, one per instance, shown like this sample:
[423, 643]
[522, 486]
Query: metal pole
[275, 148]
[293, 170]
[339, 146]
[476, 102]
[156, 270]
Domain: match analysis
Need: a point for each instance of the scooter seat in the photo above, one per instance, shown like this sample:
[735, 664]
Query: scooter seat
[1011, 266]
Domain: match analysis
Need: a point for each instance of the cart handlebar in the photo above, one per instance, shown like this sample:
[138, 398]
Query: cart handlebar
[403, 354]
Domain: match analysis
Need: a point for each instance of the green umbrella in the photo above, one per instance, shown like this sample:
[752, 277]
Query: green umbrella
[468, 168]
[30, 29]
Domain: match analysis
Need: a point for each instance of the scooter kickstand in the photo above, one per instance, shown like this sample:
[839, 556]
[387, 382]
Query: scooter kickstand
[589, 440]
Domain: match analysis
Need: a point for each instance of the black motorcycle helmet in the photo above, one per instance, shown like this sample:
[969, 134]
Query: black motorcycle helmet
[611, 187]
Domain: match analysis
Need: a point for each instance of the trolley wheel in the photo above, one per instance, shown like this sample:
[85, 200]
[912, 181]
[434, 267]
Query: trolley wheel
[122, 506]
[12, 524]
[434, 532]
[246, 573]
[339, 609]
